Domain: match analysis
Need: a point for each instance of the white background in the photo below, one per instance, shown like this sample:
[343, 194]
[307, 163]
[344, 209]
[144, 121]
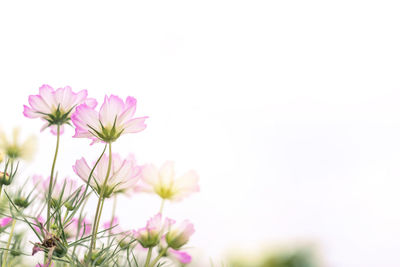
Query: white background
[289, 111]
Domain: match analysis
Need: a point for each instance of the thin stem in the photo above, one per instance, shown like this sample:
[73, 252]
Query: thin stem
[1, 189]
[148, 257]
[112, 217]
[100, 202]
[162, 205]
[51, 179]
[161, 254]
[8, 243]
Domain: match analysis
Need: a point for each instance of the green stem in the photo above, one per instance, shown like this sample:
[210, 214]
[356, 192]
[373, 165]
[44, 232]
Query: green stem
[161, 254]
[8, 243]
[100, 203]
[162, 205]
[1, 189]
[51, 179]
[112, 218]
[148, 257]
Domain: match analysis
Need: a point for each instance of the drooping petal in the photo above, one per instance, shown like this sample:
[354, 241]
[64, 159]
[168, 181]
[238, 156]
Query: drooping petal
[181, 256]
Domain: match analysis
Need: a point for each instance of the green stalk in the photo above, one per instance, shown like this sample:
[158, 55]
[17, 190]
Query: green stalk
[162, 205]
[148, 257]
[51, 179]
[100, 203]
[8, 243]
[112, 217]
[158, 257]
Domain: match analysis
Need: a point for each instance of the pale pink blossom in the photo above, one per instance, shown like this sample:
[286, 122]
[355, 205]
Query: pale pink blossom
[114, 118]
[181, 256]
[55, 106]
[124, 238]
[179, 235]
[123, 176]
[164, 183]
[5, 221]
[64, 190]
[150, 235]
[77, 228]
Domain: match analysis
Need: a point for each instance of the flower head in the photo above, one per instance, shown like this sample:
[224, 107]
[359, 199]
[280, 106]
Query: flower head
[163, 182]
[65, 192]
[77, 228]
[114, 118]
[55, 106]
[123, 176]
[150, 235]
[178, 236]
[15, 149]
[124, 238]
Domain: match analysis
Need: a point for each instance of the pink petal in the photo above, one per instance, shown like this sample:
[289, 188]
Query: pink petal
[110, 110]
[82, 169]
[30, 113]
[38, 104]
[135, 125]
[181, 256]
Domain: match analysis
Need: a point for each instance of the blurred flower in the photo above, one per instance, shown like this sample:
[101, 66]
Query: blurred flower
[15, 149]
[123, 176]
[55, 106]
[65, 192]
[77, 227]
[150, 235]
[163, 182]
[178, 236]
[114, 118]
[124, 238]
[181, 256]
[5, 221]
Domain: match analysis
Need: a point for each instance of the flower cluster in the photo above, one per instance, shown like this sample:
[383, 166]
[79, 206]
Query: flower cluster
[59, 212]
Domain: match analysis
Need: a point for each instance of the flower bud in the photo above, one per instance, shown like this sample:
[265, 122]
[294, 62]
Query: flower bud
[5, 178]
[21, 202]
[179, 236]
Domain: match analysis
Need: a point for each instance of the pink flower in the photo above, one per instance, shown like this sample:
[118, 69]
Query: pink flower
[124, 238]
[5, 221]
[181, 256]
[123, 176]
[114, 224]
[55, 106]
[114, 118]
[163, 182]
[178, 236]
[67, 191]
[150, 235]
[77, 227]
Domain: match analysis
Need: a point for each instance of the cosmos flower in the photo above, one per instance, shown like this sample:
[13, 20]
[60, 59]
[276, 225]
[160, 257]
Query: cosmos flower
[124, 238]
[179, 235]
[150, 235]
[124, 174]
[65, 191]
[77, 227]
[55, 106]
[114, 118]
[163, 182]
[14, 149]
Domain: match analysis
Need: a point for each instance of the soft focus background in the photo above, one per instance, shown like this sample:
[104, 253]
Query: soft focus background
[289, 111]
